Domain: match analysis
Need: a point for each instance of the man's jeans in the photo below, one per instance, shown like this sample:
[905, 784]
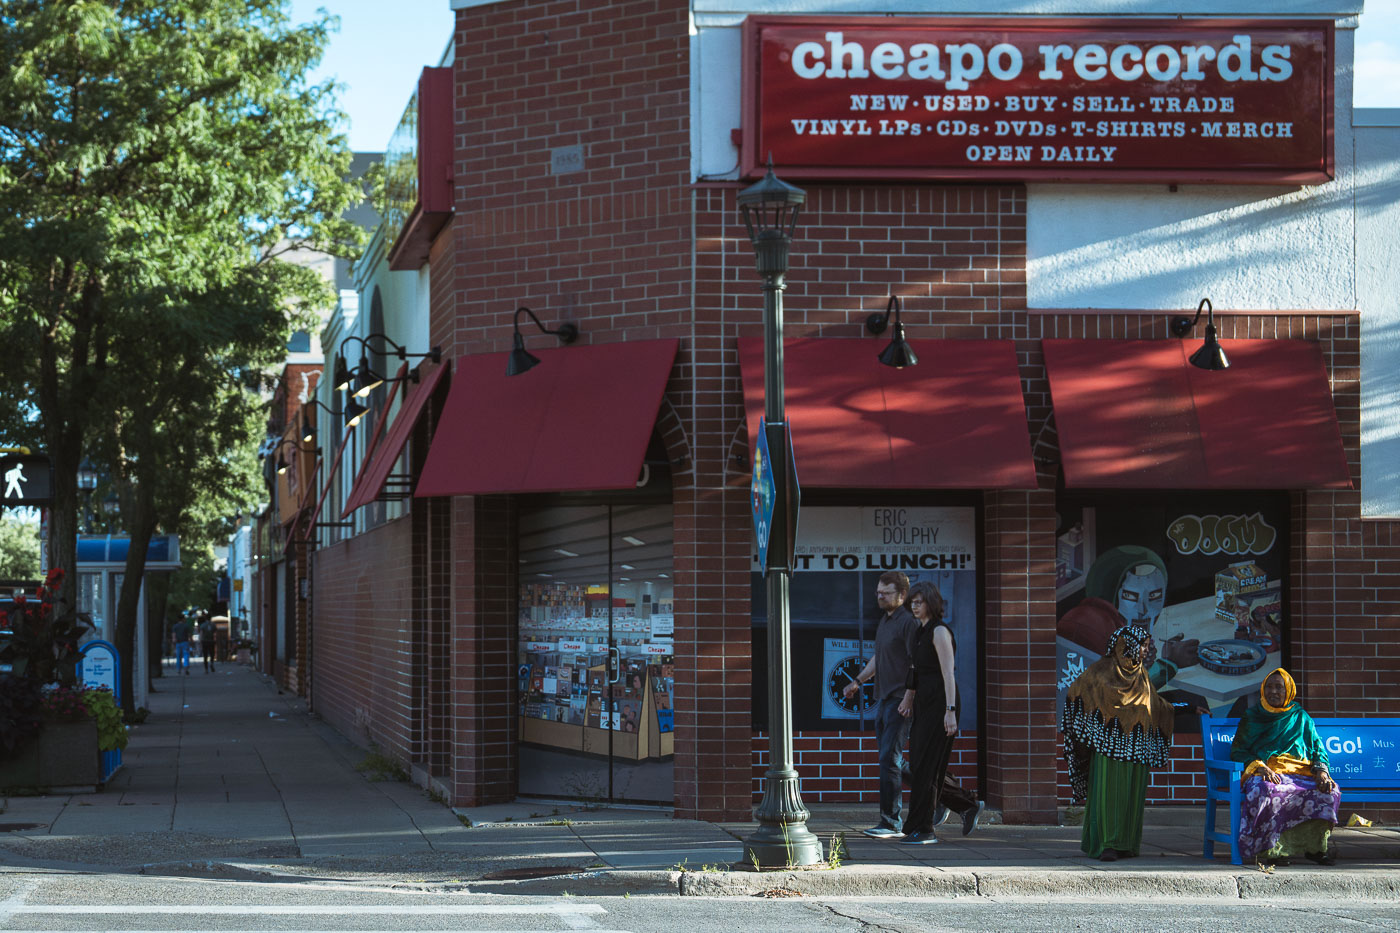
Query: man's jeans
[182, 655]
[891, 735]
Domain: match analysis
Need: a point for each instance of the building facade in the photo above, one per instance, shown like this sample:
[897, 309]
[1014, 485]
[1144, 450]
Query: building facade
[567, 605]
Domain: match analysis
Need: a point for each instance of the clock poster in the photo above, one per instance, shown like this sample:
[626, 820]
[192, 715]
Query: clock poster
[841, 552]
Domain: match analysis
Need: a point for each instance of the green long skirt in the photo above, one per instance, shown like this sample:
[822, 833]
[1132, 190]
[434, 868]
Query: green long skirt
[1113, 811]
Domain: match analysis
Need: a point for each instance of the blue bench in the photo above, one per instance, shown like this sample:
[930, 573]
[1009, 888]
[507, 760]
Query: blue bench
[1363, 758]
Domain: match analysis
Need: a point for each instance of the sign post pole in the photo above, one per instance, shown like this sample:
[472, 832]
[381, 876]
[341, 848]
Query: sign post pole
[782, 838]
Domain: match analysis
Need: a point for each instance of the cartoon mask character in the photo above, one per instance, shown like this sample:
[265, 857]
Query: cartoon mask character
[1141, 594]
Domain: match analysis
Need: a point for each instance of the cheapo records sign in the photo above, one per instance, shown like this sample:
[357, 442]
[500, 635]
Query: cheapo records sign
[1089, 100]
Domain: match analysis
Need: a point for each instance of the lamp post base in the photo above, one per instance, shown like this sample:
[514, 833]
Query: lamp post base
[782, 839]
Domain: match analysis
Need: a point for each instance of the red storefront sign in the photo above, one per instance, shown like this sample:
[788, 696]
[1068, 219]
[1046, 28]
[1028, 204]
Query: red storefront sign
[1041, 100]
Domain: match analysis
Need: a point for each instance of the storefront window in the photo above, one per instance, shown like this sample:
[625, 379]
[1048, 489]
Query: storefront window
[841, 553]
[596, 660]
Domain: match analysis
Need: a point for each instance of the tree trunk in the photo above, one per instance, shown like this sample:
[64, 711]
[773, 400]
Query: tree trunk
[157, 599]
[141, 524]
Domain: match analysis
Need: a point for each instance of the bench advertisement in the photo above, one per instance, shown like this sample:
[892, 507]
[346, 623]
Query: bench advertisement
[1084, 99]
[841, 552]
[1205, 573]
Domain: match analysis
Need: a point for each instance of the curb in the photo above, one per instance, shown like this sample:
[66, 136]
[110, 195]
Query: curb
[899, 881]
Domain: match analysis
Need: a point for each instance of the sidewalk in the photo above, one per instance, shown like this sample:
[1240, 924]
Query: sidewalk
[230, 778]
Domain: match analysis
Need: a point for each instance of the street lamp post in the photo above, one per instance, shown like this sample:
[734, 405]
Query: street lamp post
[770, 210]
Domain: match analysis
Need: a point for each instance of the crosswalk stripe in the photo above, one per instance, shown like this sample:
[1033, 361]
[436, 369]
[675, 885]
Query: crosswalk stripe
[226, 910]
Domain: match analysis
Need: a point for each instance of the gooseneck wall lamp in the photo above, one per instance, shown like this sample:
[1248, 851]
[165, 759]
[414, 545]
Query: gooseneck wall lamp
[770, 209]
[354, 412]
[520, 359]
[308, 418]
[898, 354]
[363, 380]
[282, 462]
[1211, 355]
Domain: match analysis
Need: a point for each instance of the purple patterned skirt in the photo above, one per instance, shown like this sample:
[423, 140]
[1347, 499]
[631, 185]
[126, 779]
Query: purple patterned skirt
[1271, 809]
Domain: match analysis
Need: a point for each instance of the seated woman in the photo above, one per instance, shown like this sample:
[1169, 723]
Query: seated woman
[1290, 801]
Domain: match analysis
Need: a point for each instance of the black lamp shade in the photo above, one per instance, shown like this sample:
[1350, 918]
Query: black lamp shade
[899, 354]
[354, 412]
[366, 379]
[308, 428]
[281, 465]
[1211, 355]
[520, 359]
[342, 374]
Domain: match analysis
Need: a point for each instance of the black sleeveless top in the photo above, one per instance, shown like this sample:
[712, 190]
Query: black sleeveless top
[926, 673]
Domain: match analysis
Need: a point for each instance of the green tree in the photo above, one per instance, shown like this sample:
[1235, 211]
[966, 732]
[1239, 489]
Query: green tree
[160, 160]
[19, 549]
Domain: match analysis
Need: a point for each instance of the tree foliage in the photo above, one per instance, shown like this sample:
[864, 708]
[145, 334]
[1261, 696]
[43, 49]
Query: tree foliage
[161, 161]
[19, 549]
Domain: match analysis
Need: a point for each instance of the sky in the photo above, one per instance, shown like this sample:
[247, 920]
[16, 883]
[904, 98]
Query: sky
[381, 48]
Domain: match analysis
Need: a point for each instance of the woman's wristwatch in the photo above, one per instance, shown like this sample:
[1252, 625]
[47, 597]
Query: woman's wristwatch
[952, 709]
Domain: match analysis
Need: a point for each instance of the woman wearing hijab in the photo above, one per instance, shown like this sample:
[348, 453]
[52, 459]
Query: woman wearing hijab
[1290, 801]
[931, 697]
[1115, 727]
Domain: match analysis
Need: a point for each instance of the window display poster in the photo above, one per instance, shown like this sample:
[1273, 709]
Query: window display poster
[841, 552]
[1204, 572]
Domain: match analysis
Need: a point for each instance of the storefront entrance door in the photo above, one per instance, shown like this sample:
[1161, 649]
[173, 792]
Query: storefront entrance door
[596, 659]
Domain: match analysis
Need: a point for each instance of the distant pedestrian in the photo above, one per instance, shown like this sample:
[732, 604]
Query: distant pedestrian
[208, 642]
[180, 633]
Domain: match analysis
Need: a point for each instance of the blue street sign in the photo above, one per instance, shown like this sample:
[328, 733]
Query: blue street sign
[763, 495]
[100, 666]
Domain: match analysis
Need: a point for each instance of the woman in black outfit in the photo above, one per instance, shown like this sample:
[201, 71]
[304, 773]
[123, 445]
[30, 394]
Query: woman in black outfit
[930, 684]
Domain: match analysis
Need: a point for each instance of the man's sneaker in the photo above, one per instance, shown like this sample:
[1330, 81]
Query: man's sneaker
[919, 839]
[971, 816]
[883, 832]
[940, 816]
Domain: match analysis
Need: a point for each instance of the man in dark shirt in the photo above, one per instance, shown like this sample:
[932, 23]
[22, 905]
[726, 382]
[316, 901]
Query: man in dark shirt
[180, 632]
[894, 649]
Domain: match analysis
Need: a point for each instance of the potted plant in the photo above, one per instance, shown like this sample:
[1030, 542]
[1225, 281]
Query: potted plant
[47, 727]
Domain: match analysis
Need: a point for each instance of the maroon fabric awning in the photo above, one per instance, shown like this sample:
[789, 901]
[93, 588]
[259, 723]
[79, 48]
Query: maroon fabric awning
[1136, 414]
[374, 474]
[580, 420]
[957, 420]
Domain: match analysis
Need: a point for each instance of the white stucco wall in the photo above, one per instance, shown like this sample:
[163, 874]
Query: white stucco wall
[1377, 191]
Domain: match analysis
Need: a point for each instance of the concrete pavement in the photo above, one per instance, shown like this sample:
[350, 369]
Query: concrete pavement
[230, 777]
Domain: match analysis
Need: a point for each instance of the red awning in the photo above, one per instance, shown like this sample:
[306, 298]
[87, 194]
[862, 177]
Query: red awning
[580, 420]
[374, 474]
[957, 420]
[1135, 413]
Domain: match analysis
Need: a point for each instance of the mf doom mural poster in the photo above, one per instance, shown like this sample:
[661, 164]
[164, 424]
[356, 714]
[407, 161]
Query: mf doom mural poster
[1203, 572]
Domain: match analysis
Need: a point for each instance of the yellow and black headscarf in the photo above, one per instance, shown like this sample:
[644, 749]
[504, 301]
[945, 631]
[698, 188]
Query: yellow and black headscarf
[1113, 709]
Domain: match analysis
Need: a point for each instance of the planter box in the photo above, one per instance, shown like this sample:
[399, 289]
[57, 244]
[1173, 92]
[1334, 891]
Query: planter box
[62, 759]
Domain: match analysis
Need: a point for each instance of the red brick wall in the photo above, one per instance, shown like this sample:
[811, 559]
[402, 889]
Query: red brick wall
[841, 767]
[607, 247]
[956, 257]
[628, 249]
[361, 658]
